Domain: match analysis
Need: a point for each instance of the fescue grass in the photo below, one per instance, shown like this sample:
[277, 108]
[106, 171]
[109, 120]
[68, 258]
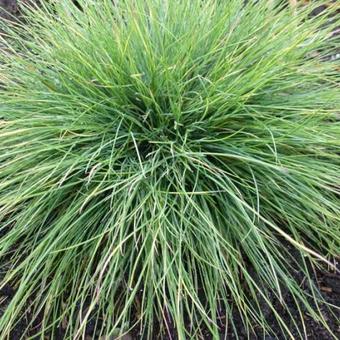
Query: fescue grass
[165, 162]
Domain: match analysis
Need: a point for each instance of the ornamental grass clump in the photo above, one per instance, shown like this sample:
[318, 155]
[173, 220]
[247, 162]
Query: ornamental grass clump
[165, 165]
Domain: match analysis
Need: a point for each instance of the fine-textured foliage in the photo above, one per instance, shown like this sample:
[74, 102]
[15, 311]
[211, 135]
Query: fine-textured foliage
[165, 163]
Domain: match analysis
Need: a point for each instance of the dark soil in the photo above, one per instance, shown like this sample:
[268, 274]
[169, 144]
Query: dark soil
[8, 8]
[327, 281]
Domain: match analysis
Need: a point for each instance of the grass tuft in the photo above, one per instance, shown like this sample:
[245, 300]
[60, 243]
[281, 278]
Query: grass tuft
[166, 163]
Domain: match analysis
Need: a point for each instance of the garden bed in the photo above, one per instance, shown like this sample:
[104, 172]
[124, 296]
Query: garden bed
[327, 281]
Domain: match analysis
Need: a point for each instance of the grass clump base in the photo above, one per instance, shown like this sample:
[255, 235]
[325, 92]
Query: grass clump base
[160, 159]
